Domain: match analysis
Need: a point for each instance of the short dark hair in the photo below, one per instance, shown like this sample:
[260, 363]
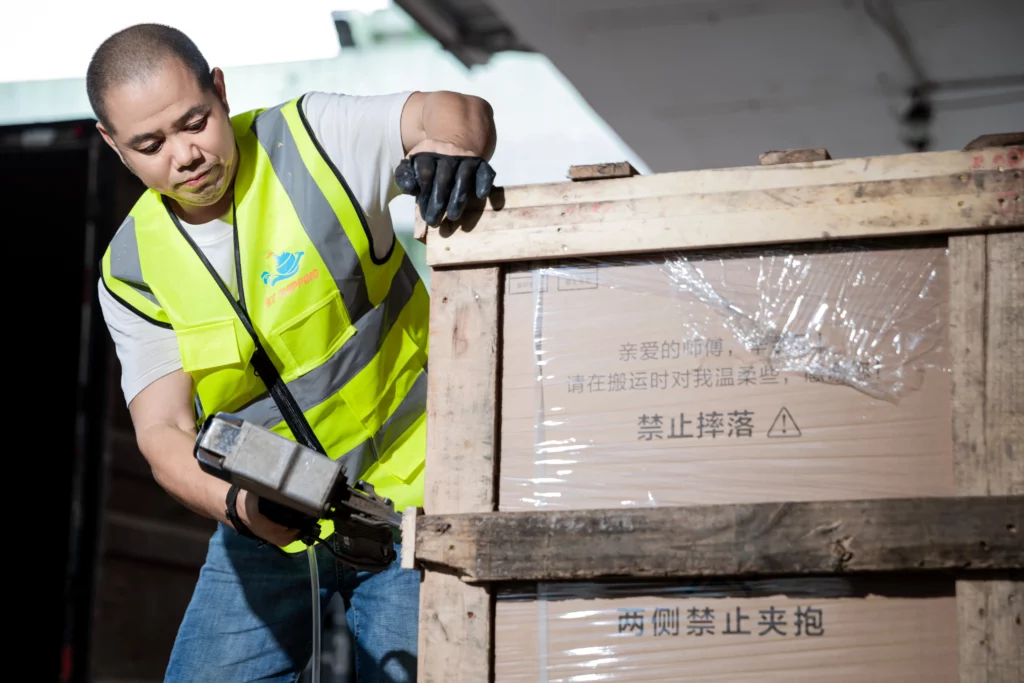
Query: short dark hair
[134, 52]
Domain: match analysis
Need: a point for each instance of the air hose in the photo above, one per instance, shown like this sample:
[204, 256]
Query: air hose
[314, 577]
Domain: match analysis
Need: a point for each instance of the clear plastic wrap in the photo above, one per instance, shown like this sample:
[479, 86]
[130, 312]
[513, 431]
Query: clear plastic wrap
[690, 379]
[886, 311]
[708, 378]
[848, 631]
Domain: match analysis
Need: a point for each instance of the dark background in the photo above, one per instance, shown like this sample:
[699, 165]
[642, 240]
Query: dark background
[131, 554]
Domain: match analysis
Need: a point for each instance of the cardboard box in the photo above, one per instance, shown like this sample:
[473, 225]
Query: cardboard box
[620, 387]
[768, 377]
[740, 640]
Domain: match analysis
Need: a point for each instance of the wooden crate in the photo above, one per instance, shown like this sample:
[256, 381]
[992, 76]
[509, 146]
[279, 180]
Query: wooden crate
[466, 548]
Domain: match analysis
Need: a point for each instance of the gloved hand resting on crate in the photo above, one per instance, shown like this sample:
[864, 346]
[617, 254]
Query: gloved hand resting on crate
[440, 175]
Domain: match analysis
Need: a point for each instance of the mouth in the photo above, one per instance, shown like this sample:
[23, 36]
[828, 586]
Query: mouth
[198, 180]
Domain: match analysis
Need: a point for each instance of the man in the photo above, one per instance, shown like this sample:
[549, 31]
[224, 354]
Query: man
[260, 275]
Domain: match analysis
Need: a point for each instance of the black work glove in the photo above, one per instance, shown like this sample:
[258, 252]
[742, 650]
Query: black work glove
[285, 516]
[441, 183]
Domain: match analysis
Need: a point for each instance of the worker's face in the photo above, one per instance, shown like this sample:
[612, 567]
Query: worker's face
[173, 135]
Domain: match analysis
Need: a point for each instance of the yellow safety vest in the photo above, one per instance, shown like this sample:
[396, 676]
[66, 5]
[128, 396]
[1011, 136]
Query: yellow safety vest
[347, 331]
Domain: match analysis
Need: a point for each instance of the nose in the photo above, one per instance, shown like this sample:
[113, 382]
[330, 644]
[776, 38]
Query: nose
[185, 155]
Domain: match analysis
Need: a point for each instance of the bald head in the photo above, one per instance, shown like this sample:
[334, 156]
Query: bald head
[133, 54]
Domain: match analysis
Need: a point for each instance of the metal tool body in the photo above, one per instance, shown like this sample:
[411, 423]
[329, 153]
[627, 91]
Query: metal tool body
[307, 483]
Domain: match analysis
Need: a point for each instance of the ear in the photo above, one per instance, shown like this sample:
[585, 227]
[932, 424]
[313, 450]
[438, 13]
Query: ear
[218, 84]
[110, 141]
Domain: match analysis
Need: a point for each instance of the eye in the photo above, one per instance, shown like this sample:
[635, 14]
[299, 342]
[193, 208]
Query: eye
[150, 149]
[197, 126]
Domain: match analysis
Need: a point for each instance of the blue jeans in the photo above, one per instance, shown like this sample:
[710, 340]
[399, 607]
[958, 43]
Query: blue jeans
[251, 618]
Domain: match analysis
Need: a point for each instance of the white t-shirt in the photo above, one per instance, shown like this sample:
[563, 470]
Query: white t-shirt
[363, 137]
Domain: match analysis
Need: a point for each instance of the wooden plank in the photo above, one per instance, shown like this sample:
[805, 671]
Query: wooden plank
[968, 264]
[1004, 371]
[794, 156]
[986, 336]
[579, 173]
[619, 169]
[462, 389]
[996, 140]
[750, 539]
[839, 199]
[408, 559]
[456, 619]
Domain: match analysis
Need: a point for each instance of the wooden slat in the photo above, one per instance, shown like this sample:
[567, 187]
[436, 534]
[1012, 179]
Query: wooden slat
[794, 156]
[1004, 369]
[753, 539]
[408, 559]
[619, 169]
[456, 619]
[996, 140]
[986, 338]
[968, 264]
[829, 200]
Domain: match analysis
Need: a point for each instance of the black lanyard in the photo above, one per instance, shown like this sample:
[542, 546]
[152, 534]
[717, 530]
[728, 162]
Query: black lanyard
[238, 254]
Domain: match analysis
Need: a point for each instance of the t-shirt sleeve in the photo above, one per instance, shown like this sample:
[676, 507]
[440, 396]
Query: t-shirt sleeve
[146, 351]
[362, 136]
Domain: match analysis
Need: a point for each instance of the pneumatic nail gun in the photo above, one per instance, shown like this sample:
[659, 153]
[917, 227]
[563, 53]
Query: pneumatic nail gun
[301, 487]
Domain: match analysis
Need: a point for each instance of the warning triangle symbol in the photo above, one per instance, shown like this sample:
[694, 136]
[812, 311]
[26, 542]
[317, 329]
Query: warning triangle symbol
[784, 426]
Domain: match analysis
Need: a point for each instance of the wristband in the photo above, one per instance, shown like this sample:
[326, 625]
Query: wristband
[231, 513]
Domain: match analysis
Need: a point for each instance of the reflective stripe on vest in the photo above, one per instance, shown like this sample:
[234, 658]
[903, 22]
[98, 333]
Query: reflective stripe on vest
[122, 275]
[347, 330]
[327, 379]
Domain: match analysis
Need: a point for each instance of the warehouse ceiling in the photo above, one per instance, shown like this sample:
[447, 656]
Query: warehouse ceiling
[712, 83]
[469, 29]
